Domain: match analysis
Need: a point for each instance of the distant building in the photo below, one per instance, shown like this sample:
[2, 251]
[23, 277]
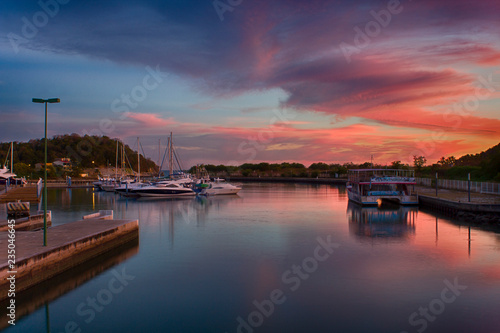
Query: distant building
[64, 162]
[39, 166]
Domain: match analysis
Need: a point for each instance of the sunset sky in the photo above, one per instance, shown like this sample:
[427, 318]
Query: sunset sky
[241, 81]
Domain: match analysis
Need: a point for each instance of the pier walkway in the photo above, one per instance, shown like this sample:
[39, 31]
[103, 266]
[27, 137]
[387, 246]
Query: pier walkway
[68, 246]
[25, 194]
[459, 196]
[482, 208]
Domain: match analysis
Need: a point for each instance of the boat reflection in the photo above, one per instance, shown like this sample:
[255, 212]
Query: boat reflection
[385, 222]
[43, 293]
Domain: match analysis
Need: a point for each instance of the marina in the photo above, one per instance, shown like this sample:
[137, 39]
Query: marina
[201, 254]
[250, 166]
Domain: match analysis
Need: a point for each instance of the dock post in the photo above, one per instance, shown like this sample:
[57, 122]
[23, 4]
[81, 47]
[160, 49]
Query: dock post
[436, 184]
[468, 185]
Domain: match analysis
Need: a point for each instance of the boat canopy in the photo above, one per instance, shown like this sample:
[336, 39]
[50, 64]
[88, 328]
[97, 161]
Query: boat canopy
[381, 176]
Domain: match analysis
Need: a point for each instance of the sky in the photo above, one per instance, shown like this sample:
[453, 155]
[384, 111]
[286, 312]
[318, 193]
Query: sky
[240, 81]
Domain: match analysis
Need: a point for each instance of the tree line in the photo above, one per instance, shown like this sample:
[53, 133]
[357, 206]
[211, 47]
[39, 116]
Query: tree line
[88, 152]
[85, 152]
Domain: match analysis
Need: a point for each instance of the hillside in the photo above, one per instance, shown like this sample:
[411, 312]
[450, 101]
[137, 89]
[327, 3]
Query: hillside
[477, 159]
[84, 152]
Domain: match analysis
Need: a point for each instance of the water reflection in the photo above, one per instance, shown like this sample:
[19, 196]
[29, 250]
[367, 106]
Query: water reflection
[386, 222]
[165, 214]
[33, 298]
[231, 252]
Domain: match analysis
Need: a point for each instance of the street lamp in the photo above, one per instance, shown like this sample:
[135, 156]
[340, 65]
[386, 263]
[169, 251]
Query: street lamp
[50, 100]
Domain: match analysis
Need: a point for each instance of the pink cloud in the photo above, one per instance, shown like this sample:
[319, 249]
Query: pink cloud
[150, 119]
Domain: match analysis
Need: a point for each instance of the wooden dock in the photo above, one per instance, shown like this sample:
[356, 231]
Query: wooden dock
[69, 245]
[27, 193]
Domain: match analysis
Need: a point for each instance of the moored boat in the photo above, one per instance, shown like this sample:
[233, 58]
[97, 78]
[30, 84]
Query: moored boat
[165, 189]
[370, 187]
[218, 187]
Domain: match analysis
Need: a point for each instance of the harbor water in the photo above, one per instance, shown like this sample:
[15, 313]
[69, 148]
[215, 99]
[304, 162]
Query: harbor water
[274, 258]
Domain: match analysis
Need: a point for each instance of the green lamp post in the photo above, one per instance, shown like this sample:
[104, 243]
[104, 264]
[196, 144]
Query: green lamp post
[50, 100]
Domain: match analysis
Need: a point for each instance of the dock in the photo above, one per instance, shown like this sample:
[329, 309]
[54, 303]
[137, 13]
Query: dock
[483, 208]
[68, 246]
[340, 181]
[47, 291]
[27, 193]
[61, 183]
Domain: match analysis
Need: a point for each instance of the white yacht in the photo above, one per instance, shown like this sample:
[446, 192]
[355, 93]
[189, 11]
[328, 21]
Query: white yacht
[4, 173]
[219, 187]
[165, 189]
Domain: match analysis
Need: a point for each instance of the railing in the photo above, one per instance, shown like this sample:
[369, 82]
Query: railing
[493, 188]
[462, 185]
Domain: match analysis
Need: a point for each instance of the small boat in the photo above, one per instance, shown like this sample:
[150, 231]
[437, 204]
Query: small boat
[370, 187]
[217, 187]
[7, 177]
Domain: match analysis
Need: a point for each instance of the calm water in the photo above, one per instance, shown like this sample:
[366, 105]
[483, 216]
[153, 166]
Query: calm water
[276, 258]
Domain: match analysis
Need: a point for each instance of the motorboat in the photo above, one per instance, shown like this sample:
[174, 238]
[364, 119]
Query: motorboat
[8, 177]
[165, 189]
[217, 187]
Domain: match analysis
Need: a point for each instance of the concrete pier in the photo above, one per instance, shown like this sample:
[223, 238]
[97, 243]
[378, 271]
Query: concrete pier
[69, 245]
[47, 291]
[472, 212]
[483, 208]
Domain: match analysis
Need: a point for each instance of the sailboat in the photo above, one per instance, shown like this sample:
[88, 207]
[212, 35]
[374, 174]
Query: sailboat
[128, 185]
[7, 175]
[109, 184]
[173, 187]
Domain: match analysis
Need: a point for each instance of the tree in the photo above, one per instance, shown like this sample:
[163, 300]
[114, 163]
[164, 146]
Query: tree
[419, 161]
[22, 170]
[447, 162]
[396, 165]
[319, 166]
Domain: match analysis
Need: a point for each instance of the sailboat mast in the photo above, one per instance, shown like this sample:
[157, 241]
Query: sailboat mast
[159, 155]
[12, 157]
[123, 158]
[171, 155]
[138, 162]
[116, 162]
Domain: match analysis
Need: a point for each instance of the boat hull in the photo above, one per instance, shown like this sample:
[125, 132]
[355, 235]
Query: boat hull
[164, 194]
[226, 191]
[374, 200]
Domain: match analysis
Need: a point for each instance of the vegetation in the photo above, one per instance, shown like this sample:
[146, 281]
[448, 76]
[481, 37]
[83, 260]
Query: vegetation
[85, 152]
[90, 152]
[285, 169]
[484, 166]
